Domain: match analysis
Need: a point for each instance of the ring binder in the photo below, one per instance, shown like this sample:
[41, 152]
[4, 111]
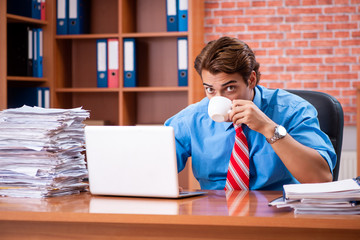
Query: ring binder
[171, 16]
[35, 53]
[182, 61]
[183, 15]
[61, 17]
[101, 55]
[113, 63]
[129, 62]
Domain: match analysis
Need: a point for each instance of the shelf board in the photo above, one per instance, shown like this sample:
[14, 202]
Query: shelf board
[127, 89]
[154, 34]
[87, 36]
[155, 89]
[26, 79]
[125, 35]
[21, 19]
[85, 90]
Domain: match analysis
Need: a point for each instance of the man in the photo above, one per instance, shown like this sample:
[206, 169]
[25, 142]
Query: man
[285, 143]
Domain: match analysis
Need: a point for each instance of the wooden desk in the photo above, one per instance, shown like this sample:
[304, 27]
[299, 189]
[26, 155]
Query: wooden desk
[206, 217]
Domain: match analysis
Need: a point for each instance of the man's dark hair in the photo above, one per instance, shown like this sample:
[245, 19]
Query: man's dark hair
[228, 55]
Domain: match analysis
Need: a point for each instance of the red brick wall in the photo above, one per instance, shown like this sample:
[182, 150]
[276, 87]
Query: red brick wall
[300, 44]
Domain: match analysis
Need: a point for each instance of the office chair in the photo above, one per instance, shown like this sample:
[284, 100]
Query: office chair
[331, 119]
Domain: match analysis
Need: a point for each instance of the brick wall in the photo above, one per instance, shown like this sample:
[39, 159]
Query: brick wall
[300, 44]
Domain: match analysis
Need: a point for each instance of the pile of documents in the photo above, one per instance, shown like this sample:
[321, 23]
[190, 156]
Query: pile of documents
[338, 197]
[41, 152]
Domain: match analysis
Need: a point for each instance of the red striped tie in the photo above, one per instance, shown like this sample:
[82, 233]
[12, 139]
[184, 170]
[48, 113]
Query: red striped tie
[238, 173]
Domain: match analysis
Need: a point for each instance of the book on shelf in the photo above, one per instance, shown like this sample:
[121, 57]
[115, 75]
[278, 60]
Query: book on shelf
[337, 197]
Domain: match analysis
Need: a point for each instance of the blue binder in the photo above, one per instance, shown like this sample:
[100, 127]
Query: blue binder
[101, 63]
[39, 48]
[35, 53]
[62, 17]
[36, 9]
[182, 44]
[183, 15]
[78, 16]
[130, 63]
[171, 16]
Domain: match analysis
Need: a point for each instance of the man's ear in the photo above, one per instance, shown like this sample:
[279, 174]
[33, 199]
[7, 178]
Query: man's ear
[252, 80]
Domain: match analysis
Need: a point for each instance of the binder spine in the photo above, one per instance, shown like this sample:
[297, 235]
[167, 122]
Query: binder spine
[35, 53]
[30, 53]
[45, 96]
[61, 17]
[38, 9]
[39, 96]
[73, 22]
[34, 9]
[43, 10]
[113, 63]
[183, 15]
[101, 52]
[182, 61]
[130, 63]
[40, 52]
[171, 16]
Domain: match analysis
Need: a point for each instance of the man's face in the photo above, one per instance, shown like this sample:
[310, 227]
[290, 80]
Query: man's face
[231, 86]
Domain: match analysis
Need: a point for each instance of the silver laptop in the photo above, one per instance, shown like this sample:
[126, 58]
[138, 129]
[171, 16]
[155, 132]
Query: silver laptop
[133, 161]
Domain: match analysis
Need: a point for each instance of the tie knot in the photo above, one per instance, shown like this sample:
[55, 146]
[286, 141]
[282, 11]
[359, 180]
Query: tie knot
[238, 128]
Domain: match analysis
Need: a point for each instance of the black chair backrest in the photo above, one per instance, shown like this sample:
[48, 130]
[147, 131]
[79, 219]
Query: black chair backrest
[331, 119]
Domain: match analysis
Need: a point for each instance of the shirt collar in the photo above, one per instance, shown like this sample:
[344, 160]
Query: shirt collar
[257, 97]
[227, 125]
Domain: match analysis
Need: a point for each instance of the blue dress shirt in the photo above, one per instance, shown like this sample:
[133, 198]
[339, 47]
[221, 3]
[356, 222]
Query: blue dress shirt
[210, 143]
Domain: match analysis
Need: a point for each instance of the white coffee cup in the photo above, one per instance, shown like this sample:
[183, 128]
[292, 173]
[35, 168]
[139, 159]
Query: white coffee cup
[219, 108]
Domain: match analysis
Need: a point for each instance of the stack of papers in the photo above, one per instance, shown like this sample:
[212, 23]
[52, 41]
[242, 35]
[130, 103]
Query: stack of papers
[41, 152]
[339, 197]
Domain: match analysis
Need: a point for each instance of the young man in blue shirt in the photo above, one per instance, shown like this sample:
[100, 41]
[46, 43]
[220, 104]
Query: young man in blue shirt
[298, 152]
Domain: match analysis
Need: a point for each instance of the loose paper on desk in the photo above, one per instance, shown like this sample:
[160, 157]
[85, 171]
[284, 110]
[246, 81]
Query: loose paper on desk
[343, 189]
[339, 197]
